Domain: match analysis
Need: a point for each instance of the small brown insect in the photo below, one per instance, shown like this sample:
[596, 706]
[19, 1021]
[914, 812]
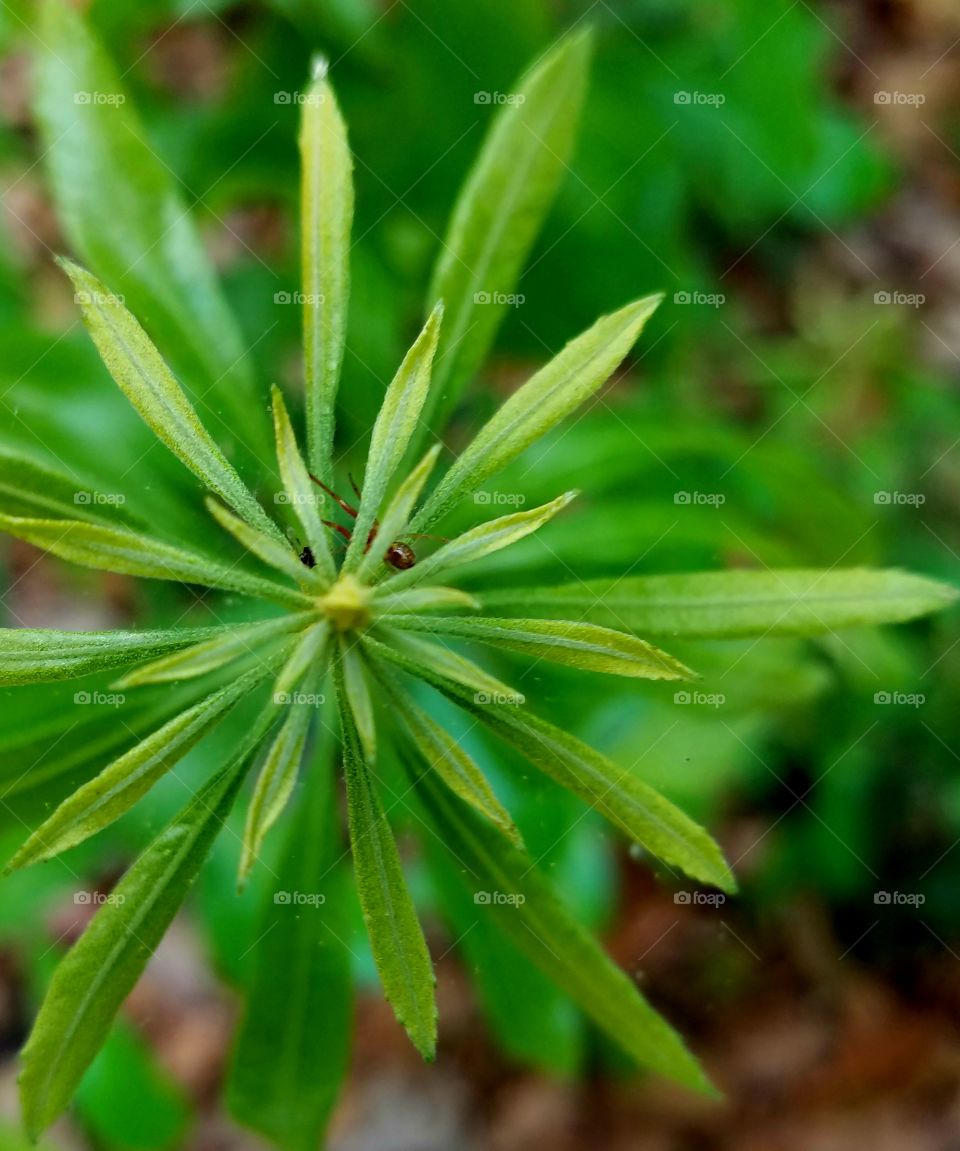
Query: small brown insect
[398, 554]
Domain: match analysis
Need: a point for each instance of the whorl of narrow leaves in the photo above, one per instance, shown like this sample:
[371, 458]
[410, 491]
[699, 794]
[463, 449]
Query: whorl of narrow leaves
[371, 627]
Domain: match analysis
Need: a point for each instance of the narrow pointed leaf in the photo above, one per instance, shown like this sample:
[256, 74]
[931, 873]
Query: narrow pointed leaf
[442, 660]
[326, 212]
[310, 654]
[726, 604]
[357, 694]
[276, 553]
[122, 210]
[101, 969]
[276, 780]
[396, 422]
[122, 783]
[536, 920]
[29, 655]
[300, 490]
[642, 813]
[480, 541]
[144, 378]
[396, 938]
[129, 553]
[444, 755]
[397, 515]
[558, 389]
[499, 213]
[581, 645]
[228, 644]
[293, 1042]
[420, 599]
[28, 488]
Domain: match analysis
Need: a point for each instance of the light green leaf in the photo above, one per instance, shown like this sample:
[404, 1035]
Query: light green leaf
[480, 541]
[326, 212]
[275, 553]
[310, 654]
[558, 389]
[101, 969]
[300, 490]
[29, 655]
[419, 599]
[227, 644]
[357, 694]
[121, 209]
[581, 645]
[293, 1042]
[144, 378]
[396, 422]
[396, 938]
[499, 213]
[444, 661]
[444, 755]
[277, 778]
[724, 604]
[614, 791]
[397, 515]
[117, 788]
[129, 553]
[529, 912]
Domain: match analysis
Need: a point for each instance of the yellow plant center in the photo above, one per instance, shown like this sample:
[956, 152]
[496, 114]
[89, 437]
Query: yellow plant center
[347, 604]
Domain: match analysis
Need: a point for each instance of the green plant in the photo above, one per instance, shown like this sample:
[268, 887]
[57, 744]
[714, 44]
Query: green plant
[353, 633]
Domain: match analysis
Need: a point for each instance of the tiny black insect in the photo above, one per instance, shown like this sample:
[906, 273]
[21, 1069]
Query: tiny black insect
[307, 558]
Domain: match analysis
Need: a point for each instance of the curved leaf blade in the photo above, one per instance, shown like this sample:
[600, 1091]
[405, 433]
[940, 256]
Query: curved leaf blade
[541, 927]
[144, 378]
[639, 811]
[729, 604]
[123, 212]
[129, 553]
[560, 387]
[326, 211]
[399, 949]
[392, 432]
[32, 655]
[499, 212]
[101, 969]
